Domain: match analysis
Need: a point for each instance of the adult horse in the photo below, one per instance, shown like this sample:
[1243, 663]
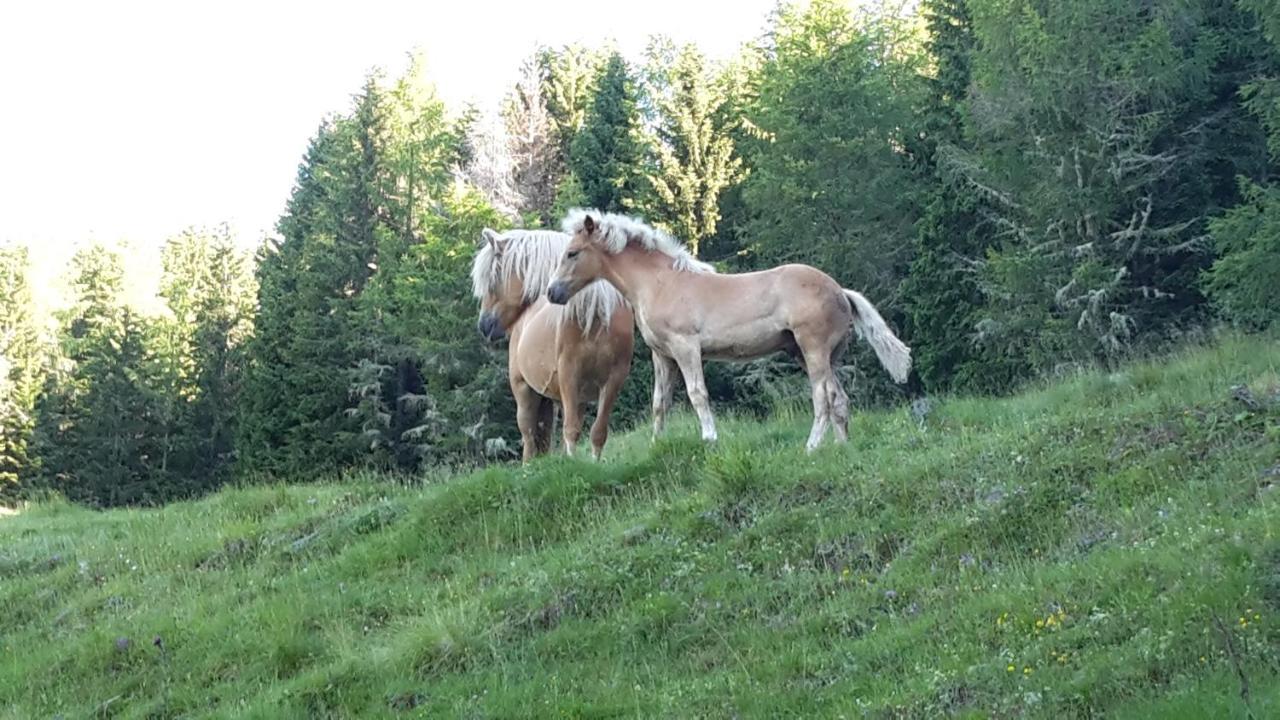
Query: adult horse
[686, 314]
[556, 354]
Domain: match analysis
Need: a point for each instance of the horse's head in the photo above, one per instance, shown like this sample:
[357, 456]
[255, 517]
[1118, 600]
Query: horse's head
[581, 264]
[501, 295]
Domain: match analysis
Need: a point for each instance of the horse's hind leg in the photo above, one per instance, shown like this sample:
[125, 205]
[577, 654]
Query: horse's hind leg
[818, 386]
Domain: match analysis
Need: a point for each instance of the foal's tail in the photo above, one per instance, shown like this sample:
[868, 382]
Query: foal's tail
[893, 354]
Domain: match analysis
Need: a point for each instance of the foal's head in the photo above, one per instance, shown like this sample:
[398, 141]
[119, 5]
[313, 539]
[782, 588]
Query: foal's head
[581, 264]
[501, 294]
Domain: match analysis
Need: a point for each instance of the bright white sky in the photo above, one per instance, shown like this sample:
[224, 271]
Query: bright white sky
[132, 120]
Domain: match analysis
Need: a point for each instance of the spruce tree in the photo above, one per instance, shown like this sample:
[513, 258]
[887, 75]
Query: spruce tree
[941, 291]
[606, 154]
[99, 435]
[695, 160]
[208, 287]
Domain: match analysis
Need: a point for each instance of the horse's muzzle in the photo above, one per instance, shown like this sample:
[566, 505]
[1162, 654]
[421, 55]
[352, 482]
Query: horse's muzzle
[490, 328]
[558, 292]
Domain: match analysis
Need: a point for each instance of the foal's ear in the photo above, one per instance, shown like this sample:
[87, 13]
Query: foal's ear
[487, 236]
[589, 224]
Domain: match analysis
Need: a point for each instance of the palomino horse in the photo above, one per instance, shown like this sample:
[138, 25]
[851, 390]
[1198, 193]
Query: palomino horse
[556, 354]
[686, 314]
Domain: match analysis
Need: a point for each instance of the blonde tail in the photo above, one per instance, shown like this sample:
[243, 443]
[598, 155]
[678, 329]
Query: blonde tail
[894, 356]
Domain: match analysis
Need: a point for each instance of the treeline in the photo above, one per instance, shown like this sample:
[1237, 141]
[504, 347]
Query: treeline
[1021, 185]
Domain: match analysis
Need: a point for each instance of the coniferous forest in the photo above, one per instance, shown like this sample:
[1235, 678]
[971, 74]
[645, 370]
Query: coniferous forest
[1023, 187]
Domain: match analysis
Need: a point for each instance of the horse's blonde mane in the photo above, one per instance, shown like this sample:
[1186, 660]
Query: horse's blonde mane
[532, 257]
[615, 231]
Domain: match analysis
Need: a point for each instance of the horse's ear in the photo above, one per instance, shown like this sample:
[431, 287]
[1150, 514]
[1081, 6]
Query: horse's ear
[589, 224]
[487, 236]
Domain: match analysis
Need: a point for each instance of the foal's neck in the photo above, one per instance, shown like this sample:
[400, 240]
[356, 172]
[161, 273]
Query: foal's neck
[639, 274]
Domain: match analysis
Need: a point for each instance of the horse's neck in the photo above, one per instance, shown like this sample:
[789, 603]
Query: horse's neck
[526, 312]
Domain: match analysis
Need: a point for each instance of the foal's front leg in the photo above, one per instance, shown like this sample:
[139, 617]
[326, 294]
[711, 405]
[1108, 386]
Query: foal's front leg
[690, 361]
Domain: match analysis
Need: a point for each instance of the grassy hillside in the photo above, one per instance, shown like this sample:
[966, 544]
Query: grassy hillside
[1107, 545]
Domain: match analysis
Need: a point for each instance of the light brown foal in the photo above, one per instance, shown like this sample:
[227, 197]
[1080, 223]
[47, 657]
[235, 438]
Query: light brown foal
[687, 313]
[556, 354]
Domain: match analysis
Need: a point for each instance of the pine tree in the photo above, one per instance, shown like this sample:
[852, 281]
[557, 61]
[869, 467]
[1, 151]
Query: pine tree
[606, 155]
[831, 184]
[20, 370]
[695, 160]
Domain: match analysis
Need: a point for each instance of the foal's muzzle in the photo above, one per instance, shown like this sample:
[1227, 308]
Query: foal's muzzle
[489, 327]
[558, 292]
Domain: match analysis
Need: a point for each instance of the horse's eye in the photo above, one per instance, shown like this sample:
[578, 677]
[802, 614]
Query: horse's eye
[573, 254]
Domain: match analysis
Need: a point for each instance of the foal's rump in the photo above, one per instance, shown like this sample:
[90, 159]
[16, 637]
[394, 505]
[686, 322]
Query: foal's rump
[816, 305]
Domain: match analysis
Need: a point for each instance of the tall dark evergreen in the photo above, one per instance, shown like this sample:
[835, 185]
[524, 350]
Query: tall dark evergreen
[293, 418]
[207, 286]
[941, 291]
[1244, 282]
[607, 153]
[20, 370]
[99, 429]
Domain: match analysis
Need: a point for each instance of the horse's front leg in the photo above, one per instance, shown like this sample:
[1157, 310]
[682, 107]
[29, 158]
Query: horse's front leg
[604, 407]
[528, 405]
[664, 386]
[689, 358]
[571, 403]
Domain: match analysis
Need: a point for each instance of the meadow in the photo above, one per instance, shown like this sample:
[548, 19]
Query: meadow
[1104, 544]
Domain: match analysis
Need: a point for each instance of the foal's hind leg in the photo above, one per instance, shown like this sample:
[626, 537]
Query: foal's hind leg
[818, 386]
[822, 382]
[664, 385]
[838, 401]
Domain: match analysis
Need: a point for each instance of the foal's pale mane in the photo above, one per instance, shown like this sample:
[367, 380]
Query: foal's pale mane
[532, 256]
[615, 231]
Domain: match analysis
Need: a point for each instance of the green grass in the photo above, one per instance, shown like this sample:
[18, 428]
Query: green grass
[1102, 546]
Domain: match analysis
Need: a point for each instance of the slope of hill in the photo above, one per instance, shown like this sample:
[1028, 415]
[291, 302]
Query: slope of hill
[1105, 545]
